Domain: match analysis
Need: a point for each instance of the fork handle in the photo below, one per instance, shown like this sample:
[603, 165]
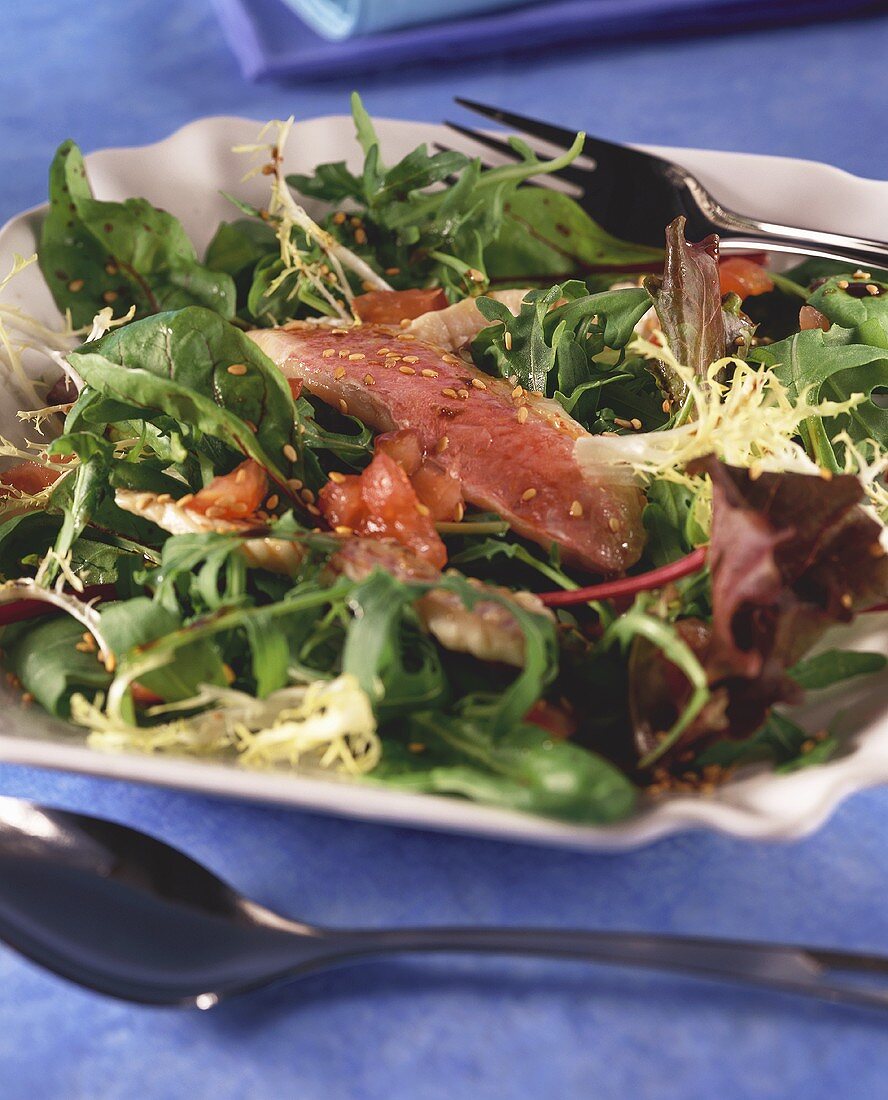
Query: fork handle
[740, 234]
[789, 968]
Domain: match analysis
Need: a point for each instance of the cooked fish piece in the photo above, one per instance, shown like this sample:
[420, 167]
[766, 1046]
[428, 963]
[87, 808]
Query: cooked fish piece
[511, 450]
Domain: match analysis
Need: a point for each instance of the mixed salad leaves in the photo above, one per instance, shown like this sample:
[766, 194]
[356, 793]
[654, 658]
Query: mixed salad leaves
[240, 545]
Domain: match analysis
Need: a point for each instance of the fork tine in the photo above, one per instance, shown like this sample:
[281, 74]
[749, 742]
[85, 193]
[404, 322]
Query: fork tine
[595, 147]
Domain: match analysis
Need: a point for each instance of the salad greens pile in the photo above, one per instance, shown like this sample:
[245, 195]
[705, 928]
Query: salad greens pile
[762, 439]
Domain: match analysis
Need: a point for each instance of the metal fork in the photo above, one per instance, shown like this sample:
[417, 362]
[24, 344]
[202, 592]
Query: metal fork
[635, 195]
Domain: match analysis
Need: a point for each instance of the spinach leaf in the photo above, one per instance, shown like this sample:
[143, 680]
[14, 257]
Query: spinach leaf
[833, 666]
[524, 769]
[546, 236]
[669, 521]
[179, 364]
[852, 305]
[49, 665]
[94, 254]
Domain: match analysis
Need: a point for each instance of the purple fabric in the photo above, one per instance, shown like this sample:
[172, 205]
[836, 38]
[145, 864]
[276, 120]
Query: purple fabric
[271, 41]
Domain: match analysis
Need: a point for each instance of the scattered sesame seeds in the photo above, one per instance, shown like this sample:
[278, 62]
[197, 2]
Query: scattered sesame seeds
[872, 289]
[273, 501]
[240, 507]
[442, 445]
[312, 510]
[343, 406]
[478, 384]
[289, 452]
[451, 360]
[187, 499]
[343, 529]
[522, 414]
[215, 512]
[355, 221]
[846, 600]
[448, 391]
[339, 218]
[406, 370]
[666, 406]
[356, 356]
[237, 368]
[528, 494]
[622, 423]
[861, 276]
[76, 285]
[111, 269]
[339, 372]
[463, 394]
[369, 380]
[405, 335]
[328, 353]
[428, 373]
[393, 271]
[843, 284]
[576, 509]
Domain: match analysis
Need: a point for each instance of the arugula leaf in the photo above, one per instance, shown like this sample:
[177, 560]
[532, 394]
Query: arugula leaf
[669, 521]
[93, 254]
[178, 363]
[524, 769]
[50, 667]
[779, 740]
[831, 366]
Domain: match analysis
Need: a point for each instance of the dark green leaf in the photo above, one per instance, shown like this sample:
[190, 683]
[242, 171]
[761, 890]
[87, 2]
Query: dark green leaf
[49, 665]
[833, 666]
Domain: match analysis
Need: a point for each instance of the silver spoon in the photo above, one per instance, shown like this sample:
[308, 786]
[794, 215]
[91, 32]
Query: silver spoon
[122, 913]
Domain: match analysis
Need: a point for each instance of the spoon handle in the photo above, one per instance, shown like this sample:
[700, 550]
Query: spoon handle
[792, 968]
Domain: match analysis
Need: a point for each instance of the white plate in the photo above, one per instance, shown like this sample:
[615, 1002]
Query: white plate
[184, 174]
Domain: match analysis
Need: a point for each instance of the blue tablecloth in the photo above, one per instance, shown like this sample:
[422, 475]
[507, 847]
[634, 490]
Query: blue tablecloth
[128, 73]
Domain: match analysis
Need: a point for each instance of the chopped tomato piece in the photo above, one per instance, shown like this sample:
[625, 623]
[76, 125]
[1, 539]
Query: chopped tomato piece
[234, 495]
[28, 477]
[388, 307]
[809, 317]
[552, 718]
[295, 387]
[738, 275]
[144, 697]
[381, 503]
[439, 489]
[403, 446]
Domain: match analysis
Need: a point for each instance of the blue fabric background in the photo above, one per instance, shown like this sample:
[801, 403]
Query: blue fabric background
[117, 73]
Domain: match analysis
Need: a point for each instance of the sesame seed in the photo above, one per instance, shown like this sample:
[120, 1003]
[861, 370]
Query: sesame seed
[528, 494]
[478, 384]
[464, 394]
[273, 501]
[423, 509]
[428, 373]
[449, 392]
[237, 368]
[356, 356]
[187, 499]
[214, 512]
[411, 358]
[328, 353]
[289, 452]
[383, 351]
[164, 498]
[110, 662]
[522, 414]
[405, 335]
[459, 511]
[666, 406]
[842, 284]
[295, 484]
[391, 359]
[336, 477]
[343, 529]
[111, 269]
[240, 507]
[308, 496]
[871, 288]
[576, 509]
[846, 600]
[475, 275]
[75, 285]
[343, 354]
[636, 423]
[415, 746]
[355, 221]
[621, 423]
[339, 372]
[406, 370]
[369, 380]
[614, 524]
[110, 296]
[442, 444]
[861, 276]
[518, 392]
[507, 340]
[343, 406]
[367, 286]
[339, 218]
[312, 510]
[360, 236]
[450, 359]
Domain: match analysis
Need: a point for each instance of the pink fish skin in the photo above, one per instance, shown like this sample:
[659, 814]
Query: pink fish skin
[513, 451]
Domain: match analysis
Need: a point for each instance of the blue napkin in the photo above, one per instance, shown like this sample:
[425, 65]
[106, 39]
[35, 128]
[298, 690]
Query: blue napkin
[337, 19]
[271, 41]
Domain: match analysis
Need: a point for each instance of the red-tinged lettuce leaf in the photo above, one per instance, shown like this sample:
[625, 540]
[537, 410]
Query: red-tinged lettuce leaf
[688, 301]
[790, 554]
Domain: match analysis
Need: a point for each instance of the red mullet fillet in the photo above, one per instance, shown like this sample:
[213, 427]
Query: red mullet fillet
[512, 451]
